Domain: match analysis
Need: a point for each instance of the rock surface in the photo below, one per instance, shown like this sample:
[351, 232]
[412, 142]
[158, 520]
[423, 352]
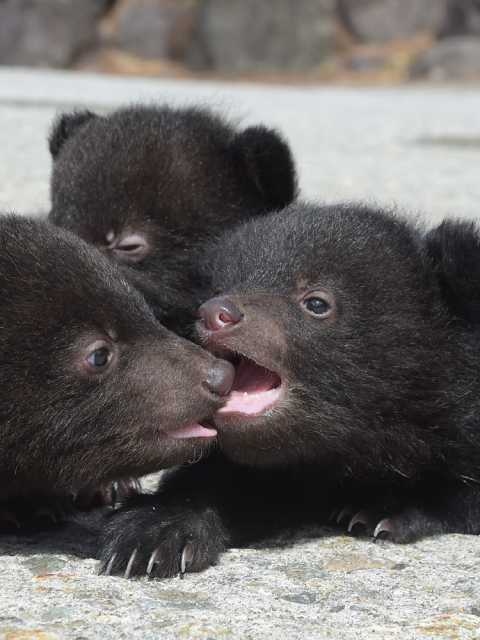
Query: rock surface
[155, 28]
[247, 35]
[417, 147]
[463, 17]
[47, 32]
[452, 59]
[230, 37]
[332, 587]
[382, 20]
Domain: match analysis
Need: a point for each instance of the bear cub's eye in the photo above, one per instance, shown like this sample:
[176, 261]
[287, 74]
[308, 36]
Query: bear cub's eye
[99, 359]
[128, 247]
[318, 305]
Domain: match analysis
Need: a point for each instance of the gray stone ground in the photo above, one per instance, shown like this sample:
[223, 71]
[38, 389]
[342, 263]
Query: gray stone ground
[416, 147]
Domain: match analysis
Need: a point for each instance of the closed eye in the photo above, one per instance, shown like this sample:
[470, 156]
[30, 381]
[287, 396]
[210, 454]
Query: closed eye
[130, 247]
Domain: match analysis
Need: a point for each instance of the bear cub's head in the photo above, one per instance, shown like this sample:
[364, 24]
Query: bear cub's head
[93, 387]
[148, 186]
[336, 324]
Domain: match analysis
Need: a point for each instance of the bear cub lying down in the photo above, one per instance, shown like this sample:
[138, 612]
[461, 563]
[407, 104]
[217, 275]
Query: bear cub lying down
[94, 389]
[149, 185]
[356, 386]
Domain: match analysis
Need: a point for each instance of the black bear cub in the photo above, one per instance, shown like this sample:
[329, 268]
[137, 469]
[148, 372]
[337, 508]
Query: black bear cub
[356, 390]
[94, 389]
[149, 185]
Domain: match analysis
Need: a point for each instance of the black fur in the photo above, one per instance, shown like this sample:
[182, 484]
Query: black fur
[171, 177]
[65, 126]
[381, 397]
[454, 247]
[64, 426]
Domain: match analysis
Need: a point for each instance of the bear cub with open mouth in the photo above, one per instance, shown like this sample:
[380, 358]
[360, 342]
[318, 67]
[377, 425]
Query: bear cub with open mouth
[94, 389]
[356, 391]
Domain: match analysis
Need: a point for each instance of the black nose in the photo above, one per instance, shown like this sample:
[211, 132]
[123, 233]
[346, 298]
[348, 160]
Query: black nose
[218, 313]
[220, 378]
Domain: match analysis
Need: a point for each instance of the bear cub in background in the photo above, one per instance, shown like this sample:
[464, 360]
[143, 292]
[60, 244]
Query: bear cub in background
[357, 390]
[94, 389]
[149, 185]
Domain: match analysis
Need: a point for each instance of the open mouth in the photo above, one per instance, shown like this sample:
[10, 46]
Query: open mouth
[255, 389]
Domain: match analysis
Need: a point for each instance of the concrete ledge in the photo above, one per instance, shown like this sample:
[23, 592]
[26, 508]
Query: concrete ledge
[334, 587]
[418, 147]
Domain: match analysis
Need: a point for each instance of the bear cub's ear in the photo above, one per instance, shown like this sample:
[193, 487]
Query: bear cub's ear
[269, 164]
[65, 126]
[454, 249]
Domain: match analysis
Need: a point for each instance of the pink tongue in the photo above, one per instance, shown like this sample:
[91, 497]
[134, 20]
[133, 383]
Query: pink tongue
[254, 391]
[193, 431]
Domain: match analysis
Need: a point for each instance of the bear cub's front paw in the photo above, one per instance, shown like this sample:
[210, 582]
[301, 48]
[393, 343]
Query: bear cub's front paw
[160, 541]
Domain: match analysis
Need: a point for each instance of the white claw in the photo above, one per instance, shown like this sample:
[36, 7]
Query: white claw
[359, 518]
[383, 526]
[187, 557]
[346, 511]
[128, 570]
[152, 561]
[109, 566]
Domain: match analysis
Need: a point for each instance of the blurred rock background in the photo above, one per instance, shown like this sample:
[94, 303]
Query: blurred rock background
[321, 40]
